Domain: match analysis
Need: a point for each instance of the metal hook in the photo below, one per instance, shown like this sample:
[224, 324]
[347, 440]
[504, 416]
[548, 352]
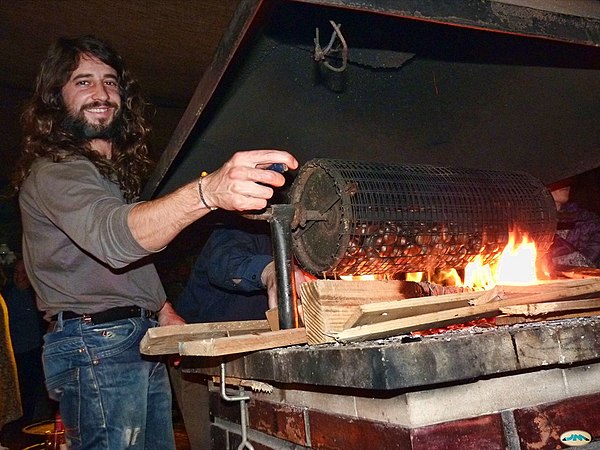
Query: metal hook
[321, 54]
[243, 410]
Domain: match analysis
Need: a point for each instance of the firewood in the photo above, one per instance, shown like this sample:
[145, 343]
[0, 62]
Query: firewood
[514, 320]
[451, 316]
[578, 272]
[552, 307]
[328, 304]
[569, 289]
[166, 340]
[383, 312]
[273, 317]
[425, 321]
[243, 343]
[549, 285]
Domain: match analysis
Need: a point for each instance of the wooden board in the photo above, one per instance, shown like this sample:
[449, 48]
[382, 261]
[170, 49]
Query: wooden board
[367, 320]
[358, 310]
[166, 340]
[335, 301]
[243, 343]
[536, 309]
[578, 272]
[384, 312]
[514, 320]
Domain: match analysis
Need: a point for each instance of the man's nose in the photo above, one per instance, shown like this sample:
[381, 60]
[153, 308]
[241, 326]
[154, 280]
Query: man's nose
[100, 92]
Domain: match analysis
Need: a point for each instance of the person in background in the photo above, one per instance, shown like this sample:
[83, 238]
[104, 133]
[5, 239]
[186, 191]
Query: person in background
[233, 279]
[10, 400]
[88, 239]
[27, 328]
[577, 239]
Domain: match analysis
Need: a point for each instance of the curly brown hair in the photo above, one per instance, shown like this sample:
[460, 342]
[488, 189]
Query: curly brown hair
[43, 135]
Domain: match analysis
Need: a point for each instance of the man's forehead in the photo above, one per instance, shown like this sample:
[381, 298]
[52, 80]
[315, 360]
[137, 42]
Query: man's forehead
[91, 65]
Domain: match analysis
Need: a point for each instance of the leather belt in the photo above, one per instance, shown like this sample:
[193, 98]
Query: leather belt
[110, 315]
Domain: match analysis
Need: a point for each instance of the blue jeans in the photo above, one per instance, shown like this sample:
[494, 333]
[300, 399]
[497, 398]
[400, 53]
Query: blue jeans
[111, 398]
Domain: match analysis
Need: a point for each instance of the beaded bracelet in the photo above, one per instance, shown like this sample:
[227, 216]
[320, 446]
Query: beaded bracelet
[212, 208]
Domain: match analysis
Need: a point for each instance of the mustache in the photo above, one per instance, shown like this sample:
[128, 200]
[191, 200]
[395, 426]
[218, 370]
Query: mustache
[99, 104]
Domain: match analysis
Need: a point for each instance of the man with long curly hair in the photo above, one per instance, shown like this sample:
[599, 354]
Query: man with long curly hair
[87, 238]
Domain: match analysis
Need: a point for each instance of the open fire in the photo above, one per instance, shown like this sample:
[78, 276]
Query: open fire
[516, 266]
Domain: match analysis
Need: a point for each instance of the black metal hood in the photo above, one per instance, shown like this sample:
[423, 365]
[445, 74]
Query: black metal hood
[511, 84]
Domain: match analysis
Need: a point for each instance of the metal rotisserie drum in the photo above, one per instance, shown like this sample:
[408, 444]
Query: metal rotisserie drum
[379, 218]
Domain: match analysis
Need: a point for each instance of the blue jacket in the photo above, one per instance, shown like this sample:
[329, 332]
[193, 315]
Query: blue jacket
[225, 283]
[579, 243]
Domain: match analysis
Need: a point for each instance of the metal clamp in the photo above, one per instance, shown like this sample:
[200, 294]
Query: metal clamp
[243, 410]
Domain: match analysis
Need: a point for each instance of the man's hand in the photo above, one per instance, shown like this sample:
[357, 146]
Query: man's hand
[269, 279]
[239, 185]
[168, 316]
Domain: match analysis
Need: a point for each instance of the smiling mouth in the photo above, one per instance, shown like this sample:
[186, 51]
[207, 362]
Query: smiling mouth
[100, 108]
[100, 114]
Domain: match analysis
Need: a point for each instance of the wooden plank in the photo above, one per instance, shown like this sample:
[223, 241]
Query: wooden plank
[550, 285]
[244, 343]
[385, 311]
[328, 304]
[420, 322]
[579, 272]
[514, 320]
[552, 307]
[273, 318]
[166, 340]
[569, 289]
[455, 315]
[340, 292]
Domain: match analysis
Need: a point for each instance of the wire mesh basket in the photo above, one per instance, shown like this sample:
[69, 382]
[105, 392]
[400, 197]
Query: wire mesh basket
[389, 218]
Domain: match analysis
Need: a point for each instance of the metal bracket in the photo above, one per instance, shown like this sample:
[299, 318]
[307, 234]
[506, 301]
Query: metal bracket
[243, 410]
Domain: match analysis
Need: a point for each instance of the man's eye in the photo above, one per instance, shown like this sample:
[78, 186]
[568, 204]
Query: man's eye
[110, 83]
[82, 83]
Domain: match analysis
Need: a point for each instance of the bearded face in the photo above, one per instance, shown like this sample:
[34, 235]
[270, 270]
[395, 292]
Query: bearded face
[105, 128]
[92, 100]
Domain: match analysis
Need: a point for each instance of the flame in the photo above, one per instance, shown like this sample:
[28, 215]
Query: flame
[357, 277]
[414, 276]
[516, 266]
[447, 278]
[478, 274]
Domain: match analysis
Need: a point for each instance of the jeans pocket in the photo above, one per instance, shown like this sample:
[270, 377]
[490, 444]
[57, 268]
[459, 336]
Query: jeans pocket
[117, 340]
[57, 384]
[62, 356]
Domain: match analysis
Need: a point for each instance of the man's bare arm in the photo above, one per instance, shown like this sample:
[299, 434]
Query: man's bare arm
[237, 186]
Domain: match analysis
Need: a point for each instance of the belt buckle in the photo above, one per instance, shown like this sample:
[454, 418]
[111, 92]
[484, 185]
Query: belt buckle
[86, 318]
